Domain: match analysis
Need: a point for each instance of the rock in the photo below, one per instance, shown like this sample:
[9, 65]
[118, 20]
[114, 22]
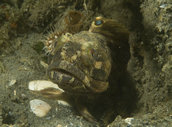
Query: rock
[12, 82]
[1, 119]
[129, 120]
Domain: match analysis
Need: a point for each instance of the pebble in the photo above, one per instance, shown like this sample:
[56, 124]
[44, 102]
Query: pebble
[129, 120]
[39, 107]
[12, 82]
[45, 65]
[59, 125]
[1, 119]
[163, 5]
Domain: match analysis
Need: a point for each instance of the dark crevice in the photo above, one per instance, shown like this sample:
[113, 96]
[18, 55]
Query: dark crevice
[8, 118]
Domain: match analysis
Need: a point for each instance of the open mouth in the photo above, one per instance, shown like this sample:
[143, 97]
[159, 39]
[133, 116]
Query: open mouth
[66, 75]
[72, 79]
[67, 80]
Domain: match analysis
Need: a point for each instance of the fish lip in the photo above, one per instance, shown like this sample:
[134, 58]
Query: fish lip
[74, 88]
[92, 87]
[67, 68]
[63, 71]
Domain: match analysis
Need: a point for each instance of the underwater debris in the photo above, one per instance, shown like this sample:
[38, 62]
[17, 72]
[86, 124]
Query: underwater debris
[74, 20]
[73, 23]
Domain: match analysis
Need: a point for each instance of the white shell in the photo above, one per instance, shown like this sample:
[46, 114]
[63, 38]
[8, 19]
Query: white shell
[39, 107]
[64, 103]
[38, 85]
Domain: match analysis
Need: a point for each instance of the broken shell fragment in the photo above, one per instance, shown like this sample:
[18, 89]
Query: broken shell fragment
[12, 82]
[39, 107]
[64, 103]
[38, 85]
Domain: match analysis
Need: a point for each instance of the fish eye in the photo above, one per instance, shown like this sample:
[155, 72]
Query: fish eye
[98, 22]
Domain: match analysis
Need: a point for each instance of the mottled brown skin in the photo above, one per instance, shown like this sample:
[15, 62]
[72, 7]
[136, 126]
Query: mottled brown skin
[83, 64]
